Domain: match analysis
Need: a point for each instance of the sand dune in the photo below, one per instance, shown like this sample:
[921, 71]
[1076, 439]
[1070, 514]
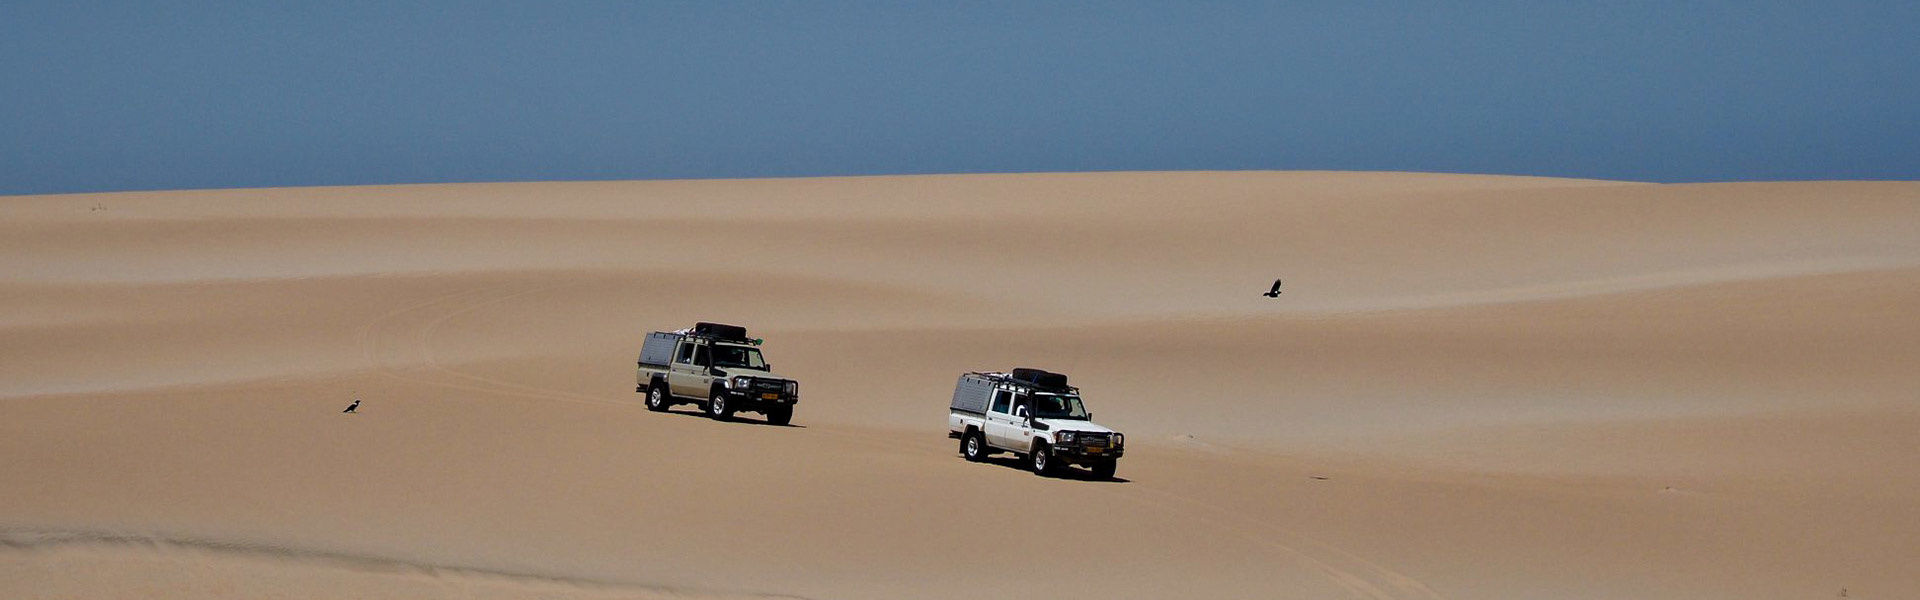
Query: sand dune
[1473, 387]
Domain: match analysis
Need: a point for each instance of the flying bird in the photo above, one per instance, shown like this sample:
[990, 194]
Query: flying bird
[352, 408]
[1275, 292]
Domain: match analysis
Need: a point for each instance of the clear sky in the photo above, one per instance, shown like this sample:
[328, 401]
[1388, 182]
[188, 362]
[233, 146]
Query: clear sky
[130, 95]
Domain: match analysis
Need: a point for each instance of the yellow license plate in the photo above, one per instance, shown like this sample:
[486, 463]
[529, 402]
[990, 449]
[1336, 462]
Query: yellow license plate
[770, 396]
[1095, 450]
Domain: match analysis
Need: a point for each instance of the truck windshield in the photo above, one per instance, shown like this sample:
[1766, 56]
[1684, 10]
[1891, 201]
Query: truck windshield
[738, 356]
[1058, 406]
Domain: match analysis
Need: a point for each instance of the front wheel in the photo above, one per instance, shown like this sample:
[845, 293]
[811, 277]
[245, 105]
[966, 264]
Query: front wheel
[657, 397]
[718, 408]
[1042, 460]
[780, 416]
[1104, 469]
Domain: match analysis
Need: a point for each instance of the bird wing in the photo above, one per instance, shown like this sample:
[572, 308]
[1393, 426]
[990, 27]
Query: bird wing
[1276, 286]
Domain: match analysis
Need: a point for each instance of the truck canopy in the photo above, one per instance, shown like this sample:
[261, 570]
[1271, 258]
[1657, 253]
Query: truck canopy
[658, 349]
[971, 394]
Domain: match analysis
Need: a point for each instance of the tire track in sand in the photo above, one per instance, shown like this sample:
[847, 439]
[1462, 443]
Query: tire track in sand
[1360, 576]
[378, 338]
[44, 540]
[432, 330]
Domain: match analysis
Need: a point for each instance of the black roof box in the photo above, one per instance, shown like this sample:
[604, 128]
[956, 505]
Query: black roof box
[1041, 378]
[722, 331]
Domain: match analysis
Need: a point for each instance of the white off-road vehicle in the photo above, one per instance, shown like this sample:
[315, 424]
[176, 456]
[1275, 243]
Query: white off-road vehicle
[717, 367]
[1034, 414]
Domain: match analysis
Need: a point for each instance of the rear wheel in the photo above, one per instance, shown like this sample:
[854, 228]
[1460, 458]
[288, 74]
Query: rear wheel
[780, 416]
[1104, 469]
[718, 408]
[973, 446]
[657, 397]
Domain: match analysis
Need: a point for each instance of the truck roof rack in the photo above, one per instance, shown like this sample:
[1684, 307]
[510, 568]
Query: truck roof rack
[719, 332]
[1038, 379]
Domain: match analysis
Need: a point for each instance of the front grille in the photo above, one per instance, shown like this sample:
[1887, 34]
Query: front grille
[1094, 440]
[769, 385]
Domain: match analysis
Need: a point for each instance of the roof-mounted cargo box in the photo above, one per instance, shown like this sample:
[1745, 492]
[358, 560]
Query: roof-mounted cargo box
[1041, 378]
[720, 331]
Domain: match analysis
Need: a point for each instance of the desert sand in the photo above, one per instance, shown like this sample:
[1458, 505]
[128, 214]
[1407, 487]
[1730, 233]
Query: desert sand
[1471, 387]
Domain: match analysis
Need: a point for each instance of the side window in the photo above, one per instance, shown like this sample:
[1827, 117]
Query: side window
[700, 357]
[1001, 399]
[686, 354]
[1020, 406]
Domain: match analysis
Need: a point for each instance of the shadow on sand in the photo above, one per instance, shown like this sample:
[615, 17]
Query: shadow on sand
[694, 411]
[1069, 473]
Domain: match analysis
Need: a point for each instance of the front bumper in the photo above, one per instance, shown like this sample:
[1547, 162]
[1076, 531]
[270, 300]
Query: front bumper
[1078, 453]
[744, 398]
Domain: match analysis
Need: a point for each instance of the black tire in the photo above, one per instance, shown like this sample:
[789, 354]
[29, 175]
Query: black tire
[780, 416]
[973, 446]
[718, 408]
[1042, 461]
[658, 399]
[1104, 469]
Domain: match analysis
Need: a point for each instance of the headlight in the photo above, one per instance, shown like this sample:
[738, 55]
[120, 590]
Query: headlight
[1119, 439]
[793, 388]
[741, 382]
[1066, 437]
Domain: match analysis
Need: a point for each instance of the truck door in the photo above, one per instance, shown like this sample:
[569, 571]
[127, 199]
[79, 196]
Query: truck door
[1020, 436]
[1000, 423]
[685, 377]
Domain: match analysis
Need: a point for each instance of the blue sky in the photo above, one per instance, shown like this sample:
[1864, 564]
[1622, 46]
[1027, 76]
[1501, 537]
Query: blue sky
[99, 96]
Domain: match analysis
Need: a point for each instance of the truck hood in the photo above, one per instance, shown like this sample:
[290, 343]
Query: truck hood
[730, 372]
[1075, 425]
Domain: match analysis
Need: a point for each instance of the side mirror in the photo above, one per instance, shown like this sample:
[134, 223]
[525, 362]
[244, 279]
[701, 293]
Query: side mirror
[767, 367]
[1089, 416]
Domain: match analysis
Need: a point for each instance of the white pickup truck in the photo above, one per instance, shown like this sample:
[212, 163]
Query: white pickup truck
[1034, 414]
[716, 367]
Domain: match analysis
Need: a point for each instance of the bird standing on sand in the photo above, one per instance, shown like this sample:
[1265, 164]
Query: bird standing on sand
[351, 408]
[1275, 292]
